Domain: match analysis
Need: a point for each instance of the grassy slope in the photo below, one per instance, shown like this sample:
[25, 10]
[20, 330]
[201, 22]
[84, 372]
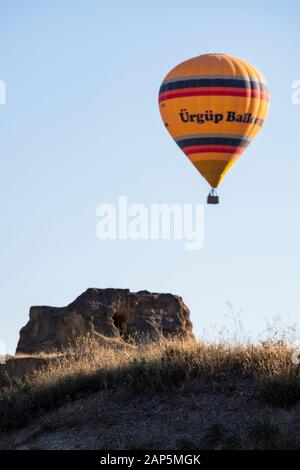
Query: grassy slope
[171, 395]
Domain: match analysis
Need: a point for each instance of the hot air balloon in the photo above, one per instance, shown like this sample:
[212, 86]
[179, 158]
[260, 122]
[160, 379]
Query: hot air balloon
[213, 106]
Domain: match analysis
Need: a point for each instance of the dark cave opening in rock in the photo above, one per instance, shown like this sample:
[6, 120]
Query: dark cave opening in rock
[120, 319]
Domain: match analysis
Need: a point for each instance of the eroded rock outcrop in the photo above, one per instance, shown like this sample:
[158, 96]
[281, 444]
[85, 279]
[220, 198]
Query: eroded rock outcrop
[112, 313]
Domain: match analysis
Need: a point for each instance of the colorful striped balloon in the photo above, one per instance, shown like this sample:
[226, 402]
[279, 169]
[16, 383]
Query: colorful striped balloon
[213, 106]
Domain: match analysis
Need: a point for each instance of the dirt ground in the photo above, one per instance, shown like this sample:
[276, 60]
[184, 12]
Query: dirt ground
[202, 415]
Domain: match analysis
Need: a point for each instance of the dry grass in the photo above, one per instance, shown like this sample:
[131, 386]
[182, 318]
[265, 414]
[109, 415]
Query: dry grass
[86, 367]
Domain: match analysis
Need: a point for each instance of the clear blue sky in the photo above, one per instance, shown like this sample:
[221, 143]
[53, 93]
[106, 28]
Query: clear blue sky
[81, 126]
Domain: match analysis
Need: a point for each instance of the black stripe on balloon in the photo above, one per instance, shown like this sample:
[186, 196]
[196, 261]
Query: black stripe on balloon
[212, 141]
[213, 82]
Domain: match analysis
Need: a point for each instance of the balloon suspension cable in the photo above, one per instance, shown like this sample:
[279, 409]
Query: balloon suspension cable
[213, 197]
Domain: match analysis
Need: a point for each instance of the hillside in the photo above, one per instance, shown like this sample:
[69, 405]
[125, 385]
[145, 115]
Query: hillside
[172, 395]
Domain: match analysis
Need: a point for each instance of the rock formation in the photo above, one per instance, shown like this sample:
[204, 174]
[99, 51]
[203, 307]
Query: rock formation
[112, 313]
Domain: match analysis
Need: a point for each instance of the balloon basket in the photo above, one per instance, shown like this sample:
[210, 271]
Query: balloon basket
[213, 198]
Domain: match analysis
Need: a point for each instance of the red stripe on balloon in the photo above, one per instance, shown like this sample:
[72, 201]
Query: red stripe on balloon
[213, 148]
[213, 91]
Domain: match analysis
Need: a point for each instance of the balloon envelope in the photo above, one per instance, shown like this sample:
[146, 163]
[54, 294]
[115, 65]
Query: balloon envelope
[213, 106]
